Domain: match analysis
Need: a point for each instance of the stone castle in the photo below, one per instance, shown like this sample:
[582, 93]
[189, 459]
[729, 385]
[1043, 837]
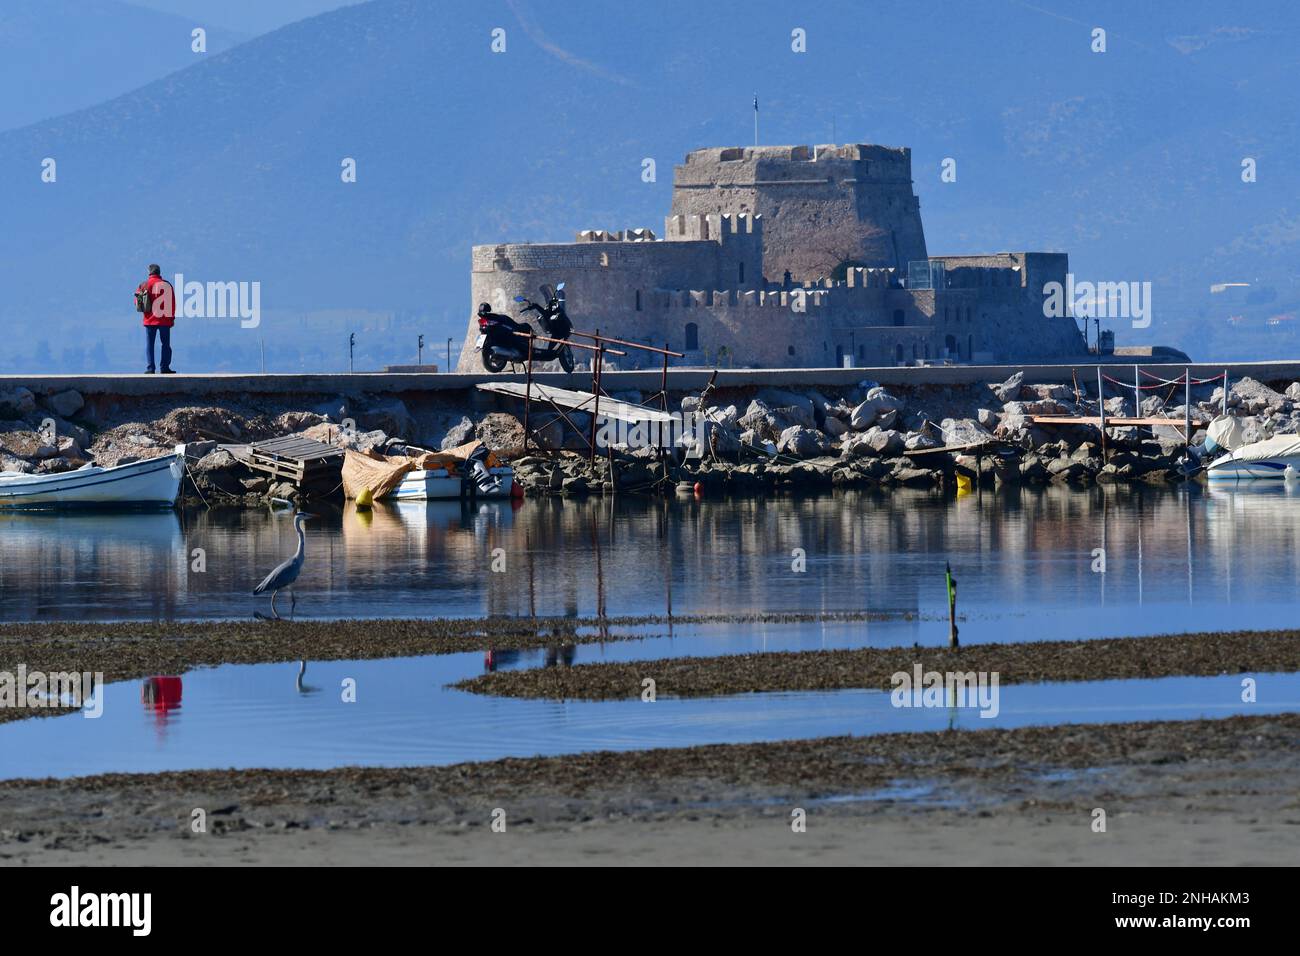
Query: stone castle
[789, 257]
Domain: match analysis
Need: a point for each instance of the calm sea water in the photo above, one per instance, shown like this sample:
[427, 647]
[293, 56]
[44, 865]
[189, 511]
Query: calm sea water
[268, 715]
[1028, 566]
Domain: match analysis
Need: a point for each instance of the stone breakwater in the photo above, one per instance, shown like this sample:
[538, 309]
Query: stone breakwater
[758, 439]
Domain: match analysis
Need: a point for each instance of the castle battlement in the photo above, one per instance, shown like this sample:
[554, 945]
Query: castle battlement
[897, 158]
[603, 235]
[713, 227]
[783, 299]
[870, 278]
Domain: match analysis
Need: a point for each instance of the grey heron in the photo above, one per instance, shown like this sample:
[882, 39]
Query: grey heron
[286, 574]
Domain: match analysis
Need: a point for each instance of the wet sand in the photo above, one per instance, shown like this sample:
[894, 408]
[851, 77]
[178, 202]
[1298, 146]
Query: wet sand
[1177, 792]
[1019, 663]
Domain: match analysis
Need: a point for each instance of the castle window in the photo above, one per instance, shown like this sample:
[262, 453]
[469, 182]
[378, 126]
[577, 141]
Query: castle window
[692, 336]
[950, 343]
[970, 348]
[946, 317]
[742, 272]
[862, 353]
[839, 356]
[898, 354]
[789, 350]
[638, 300]
[898, 316]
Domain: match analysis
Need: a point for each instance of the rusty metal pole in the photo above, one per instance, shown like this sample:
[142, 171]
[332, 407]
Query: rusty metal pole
[952, 608]
[595, 391]
[663, 381]
[528, 392]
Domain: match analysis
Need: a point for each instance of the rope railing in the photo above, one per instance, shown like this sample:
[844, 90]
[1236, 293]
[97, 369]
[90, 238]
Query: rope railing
[1185, 380]
[1160, 383]
[1187, 374]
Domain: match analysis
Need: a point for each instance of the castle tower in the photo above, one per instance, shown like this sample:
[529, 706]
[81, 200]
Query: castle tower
[822, 206]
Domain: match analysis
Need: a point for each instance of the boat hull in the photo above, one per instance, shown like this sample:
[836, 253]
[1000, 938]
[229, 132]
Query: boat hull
[437, 485]
[154, 483]
[1266, 469]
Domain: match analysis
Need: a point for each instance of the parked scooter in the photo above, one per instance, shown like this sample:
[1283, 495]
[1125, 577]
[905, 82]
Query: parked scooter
[555, 324]
[498, 342]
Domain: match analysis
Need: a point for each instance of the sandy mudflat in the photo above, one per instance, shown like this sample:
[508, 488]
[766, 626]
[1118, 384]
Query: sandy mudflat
[1019, 663]
[1194, 792]
[129, 650]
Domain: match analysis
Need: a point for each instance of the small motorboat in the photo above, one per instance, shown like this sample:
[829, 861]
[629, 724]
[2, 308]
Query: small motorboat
[466, 471]
[151, 483]
[1275, 459]
[439, 484]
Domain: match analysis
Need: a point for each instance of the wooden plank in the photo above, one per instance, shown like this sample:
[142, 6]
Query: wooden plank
[1110, 422]
[580, 401]
[969, 446]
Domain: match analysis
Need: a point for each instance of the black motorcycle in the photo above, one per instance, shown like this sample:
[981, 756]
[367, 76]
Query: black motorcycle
[555, 324]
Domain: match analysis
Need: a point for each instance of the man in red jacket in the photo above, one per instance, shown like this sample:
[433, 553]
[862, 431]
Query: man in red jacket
[156, 298]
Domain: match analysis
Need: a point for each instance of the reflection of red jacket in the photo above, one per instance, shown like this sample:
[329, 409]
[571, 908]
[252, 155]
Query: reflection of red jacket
[162, 301]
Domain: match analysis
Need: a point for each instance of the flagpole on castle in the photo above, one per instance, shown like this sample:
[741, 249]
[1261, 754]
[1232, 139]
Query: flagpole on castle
[755, 119]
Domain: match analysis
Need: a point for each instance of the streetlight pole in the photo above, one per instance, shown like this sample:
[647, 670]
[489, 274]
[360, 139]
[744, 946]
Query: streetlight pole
[448, 354]
[352, 341]
[419, 352]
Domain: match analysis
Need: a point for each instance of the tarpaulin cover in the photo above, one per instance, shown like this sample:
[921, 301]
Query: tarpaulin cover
[382, 473]
[1279, 446]
[1224, 432]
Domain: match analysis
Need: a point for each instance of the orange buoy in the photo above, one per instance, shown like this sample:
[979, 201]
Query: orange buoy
[699, 488]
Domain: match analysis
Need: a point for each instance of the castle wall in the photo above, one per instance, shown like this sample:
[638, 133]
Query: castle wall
[713, 287]
[821, 204]
[611, 283]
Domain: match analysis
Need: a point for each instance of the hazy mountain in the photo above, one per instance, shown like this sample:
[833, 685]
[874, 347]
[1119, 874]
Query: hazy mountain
[249, 16]
[230, 170]
[62, 55]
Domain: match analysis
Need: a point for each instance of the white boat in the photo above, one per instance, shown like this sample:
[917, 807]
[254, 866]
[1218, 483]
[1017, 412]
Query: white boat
[1273, 459]
[152, 483]
[438, 484]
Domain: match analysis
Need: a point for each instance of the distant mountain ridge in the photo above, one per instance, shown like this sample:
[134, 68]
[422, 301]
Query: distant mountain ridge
[230, 168]
[59, 56]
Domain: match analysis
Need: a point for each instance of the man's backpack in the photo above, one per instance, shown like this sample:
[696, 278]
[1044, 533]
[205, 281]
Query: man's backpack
[142, 300]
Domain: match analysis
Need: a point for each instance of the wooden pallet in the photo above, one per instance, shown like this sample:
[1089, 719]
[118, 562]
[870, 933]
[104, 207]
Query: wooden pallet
[295, 458]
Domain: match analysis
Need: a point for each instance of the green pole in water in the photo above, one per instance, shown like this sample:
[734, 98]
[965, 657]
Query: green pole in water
[952, 607]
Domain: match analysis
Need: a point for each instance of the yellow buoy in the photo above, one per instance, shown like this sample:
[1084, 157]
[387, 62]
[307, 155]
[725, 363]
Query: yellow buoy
[963, 484]
[365, 498]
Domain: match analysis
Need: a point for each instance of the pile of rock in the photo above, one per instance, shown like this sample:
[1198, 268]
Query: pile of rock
[862, 436]
[37, 436]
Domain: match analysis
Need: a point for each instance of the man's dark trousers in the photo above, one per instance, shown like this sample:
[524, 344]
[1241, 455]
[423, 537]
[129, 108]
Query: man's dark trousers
[165, 333]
